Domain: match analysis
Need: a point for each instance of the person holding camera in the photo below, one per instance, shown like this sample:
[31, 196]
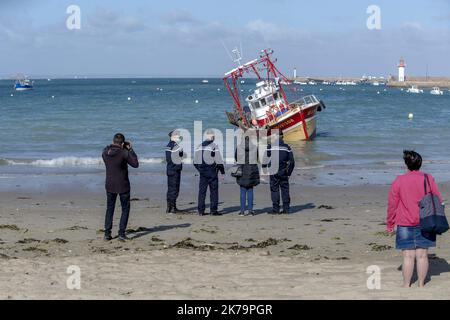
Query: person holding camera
[117, 157]
[279, 176]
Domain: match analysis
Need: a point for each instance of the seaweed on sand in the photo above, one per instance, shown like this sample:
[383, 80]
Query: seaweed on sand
[188, 243]
[35, 249]
[28, 240]
[300, 247]
[380, 247]
[12, 227]
[268, 242]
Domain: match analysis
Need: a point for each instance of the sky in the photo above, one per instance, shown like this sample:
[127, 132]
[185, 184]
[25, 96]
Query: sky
[190, 38]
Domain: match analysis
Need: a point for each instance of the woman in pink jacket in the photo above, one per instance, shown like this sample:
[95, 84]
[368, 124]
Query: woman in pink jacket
[403, 212]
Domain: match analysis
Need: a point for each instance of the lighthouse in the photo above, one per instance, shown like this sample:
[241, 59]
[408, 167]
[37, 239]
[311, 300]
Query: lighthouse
[295, 73]
[401, 70]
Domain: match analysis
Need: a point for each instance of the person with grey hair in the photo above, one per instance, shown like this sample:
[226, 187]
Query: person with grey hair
[208, 161]
[174, 165]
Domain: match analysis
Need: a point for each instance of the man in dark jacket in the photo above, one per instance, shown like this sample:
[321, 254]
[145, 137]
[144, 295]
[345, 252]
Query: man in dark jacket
[279, 175]
[174, 156]
[208, 161]
[117, 157]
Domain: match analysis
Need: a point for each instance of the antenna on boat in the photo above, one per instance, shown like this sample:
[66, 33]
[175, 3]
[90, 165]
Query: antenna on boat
[235, 54]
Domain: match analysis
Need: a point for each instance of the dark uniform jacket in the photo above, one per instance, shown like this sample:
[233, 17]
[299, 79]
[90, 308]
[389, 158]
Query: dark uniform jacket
[208, 160]
[283, 153]
[174, 155]
[116, 161]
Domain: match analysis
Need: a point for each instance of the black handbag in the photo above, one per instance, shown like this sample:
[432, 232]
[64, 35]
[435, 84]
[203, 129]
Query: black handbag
[236, 171]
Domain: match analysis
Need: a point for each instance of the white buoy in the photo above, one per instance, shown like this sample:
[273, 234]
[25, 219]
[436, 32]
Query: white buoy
[12, 95]
[196, 101]
[218, 89]
[192, 89]
[53, 97]
[411, 116]
[129, 99]
[378, 92]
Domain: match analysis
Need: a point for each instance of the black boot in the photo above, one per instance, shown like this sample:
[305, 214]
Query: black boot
[175, 209]
[169, 207]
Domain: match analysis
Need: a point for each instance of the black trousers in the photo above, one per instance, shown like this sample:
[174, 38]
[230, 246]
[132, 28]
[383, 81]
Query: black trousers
[110, 207]
[213, 184]
[278, 184]
[173, 186]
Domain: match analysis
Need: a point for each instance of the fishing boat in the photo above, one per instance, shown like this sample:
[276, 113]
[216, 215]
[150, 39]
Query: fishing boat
[414, 89]
[205, 81]
[436, 91]
[267, 107]
[23, 85]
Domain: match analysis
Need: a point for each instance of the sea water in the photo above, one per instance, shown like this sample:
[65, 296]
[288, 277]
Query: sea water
[62, 126]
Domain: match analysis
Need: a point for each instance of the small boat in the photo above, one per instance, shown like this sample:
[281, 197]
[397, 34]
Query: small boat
[376, 84]
[267, 106]
[414, 89]
[23, 85]
[312, 83]
[205, 81]
[436, 91]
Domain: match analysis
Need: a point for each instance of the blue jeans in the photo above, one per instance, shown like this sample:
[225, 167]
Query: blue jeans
[111, 205]
[246, 194]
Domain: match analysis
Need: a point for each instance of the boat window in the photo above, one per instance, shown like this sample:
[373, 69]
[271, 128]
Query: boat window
[269, 100]
[255, 105]
[263, 102]
[275, 95]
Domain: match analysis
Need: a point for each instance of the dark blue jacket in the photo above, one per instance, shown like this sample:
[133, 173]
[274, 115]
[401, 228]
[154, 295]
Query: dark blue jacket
[208, 160]
[174, 155]
[286, 161]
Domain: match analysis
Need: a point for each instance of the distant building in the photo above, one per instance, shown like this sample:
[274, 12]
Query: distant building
[401, 70]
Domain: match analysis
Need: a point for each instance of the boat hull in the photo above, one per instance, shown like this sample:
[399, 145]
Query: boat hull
[292, 124]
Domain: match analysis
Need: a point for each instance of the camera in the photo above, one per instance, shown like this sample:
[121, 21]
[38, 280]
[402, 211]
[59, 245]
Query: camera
[126, 145]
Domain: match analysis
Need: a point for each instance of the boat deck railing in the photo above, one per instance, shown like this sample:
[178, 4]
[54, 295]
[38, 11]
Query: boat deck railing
[305, 101]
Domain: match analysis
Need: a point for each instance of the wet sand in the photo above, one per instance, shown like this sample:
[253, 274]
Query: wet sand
[320, 251]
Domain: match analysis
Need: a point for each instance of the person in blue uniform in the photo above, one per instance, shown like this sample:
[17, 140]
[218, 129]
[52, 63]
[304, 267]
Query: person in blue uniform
[174, 156]
[208, 161]
[279, 175]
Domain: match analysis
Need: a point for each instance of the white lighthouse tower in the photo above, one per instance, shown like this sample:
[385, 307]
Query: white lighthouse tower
[295, 73]
[401, 70]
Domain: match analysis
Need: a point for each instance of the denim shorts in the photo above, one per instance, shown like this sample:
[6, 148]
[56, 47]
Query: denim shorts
[413, 238]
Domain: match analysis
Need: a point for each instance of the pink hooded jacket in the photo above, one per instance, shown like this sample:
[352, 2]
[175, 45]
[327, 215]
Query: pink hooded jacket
[404, 196]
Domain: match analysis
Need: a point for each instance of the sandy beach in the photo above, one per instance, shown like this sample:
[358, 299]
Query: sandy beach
[320, 251]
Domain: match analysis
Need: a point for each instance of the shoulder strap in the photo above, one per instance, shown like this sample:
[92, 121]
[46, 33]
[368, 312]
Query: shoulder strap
[425, 182]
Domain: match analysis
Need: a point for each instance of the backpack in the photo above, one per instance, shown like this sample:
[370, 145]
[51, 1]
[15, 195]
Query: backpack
[432, 214]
